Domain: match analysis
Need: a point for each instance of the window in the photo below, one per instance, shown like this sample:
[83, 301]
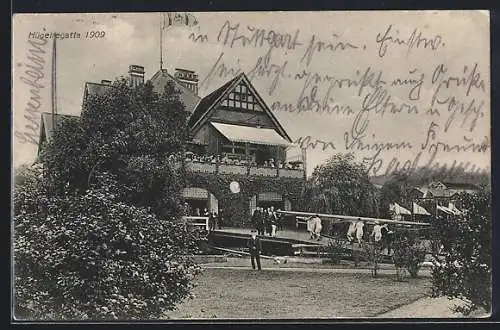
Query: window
[241, 98]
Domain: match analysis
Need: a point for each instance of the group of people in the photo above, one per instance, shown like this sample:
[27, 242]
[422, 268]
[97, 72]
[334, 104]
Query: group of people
[224, 159]
[266, 221]
[380, 234]
[214, 219]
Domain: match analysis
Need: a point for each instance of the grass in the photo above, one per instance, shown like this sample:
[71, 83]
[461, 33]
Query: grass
[274, 294]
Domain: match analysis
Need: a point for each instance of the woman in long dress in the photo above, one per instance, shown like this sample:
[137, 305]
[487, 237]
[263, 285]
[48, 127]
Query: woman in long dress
[316, 227]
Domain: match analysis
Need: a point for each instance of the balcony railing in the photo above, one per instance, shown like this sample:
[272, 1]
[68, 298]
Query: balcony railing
[251, 170]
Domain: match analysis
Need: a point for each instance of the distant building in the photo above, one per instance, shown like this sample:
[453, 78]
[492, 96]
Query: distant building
[233, 136]
[443, 189]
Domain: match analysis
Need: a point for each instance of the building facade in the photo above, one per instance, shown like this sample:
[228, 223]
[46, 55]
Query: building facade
[234, 139]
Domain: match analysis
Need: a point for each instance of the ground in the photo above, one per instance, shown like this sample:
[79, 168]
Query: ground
[294, 293]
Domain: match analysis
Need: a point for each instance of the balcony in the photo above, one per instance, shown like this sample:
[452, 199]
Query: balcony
[251, 170]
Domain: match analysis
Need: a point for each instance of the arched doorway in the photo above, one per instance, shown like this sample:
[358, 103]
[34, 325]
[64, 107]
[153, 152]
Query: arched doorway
[199, 199]
[268, 199]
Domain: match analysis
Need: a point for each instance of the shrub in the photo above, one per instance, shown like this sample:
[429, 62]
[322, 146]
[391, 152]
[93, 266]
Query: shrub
[91, 256]
[372, 250]
[408, 254]
[464, 270]
[336, 250]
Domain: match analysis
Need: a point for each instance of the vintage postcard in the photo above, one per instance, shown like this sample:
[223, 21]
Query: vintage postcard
[251, 165]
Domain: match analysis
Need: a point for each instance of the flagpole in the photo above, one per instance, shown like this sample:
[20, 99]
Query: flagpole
[54, 84]
[162, 22]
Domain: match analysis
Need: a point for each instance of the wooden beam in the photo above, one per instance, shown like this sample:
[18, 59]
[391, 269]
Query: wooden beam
[355, 218]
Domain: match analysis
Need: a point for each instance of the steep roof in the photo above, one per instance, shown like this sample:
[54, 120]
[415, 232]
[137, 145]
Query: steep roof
[162, 77]
[209, 103]
[93, 88]
[206, 103]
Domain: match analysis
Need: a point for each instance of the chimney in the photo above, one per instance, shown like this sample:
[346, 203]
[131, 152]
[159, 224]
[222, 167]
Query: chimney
[136, 75]
[106, 82]
[188, 79]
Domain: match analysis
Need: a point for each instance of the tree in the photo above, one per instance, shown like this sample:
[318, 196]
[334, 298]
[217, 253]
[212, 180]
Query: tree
[91, 256]
[464, 271]
[341, 186]
[129, 132]
[96, 236]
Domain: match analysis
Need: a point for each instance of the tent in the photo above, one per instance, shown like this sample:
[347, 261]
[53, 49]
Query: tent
[398, 209]
[417, 209]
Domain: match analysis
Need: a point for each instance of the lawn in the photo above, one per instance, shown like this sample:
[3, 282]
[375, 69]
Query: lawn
[274, 294]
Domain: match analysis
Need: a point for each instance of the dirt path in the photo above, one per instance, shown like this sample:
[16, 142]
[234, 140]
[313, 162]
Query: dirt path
[428, 307]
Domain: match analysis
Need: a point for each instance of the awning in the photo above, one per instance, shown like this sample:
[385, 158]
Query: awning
[236, 133]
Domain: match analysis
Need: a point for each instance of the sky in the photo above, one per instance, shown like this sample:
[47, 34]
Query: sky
[442, 56]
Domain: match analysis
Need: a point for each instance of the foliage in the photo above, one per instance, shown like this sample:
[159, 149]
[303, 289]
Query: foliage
[408, 253]
[96, 235]
[236, 206]
[91, 256]
[337, 249]
[464, 270]
[25, 175]
[371, 251]
[341, 186]
[129, 132]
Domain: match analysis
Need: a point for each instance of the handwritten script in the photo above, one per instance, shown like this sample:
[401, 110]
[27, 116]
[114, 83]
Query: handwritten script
[34, 78]
[447, 100]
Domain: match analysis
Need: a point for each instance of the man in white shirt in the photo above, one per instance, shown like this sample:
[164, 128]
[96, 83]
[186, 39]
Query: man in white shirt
[377, 232]
[359, 231]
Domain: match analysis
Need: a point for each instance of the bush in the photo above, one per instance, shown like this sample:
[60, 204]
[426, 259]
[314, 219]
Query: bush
[408, 254]
[372, 253]
[337, 249]
[91, 256]
[464, 270]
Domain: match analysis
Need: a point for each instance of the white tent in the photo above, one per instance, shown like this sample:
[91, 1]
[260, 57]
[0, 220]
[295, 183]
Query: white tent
[417, 209]
[398, 209]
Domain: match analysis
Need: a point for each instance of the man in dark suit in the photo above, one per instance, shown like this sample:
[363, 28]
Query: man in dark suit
[255, 246]
[220, 220]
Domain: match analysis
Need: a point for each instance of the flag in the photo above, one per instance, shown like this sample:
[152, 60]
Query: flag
[180, 19]
[417, 209]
